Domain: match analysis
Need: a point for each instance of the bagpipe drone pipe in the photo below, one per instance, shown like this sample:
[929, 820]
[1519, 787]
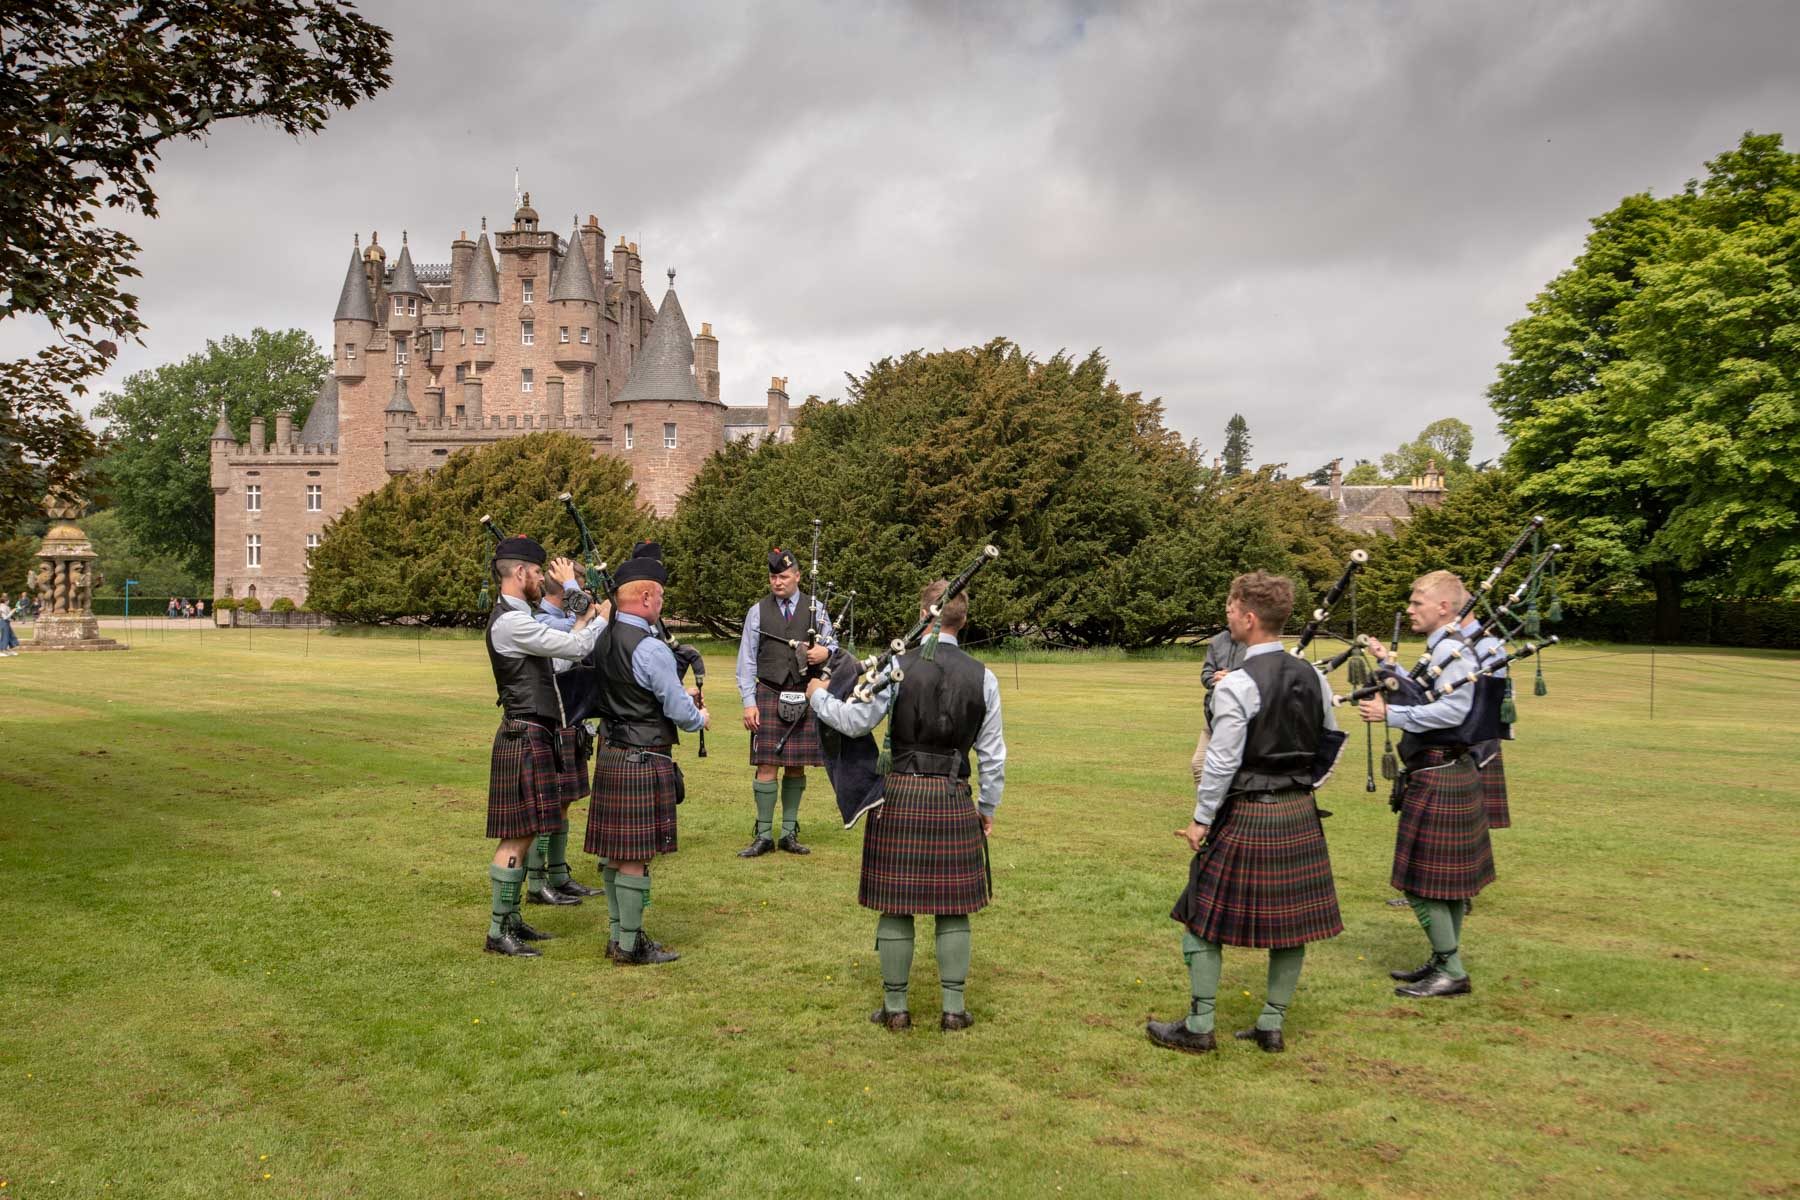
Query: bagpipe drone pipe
[1332, 741]
[853, 764]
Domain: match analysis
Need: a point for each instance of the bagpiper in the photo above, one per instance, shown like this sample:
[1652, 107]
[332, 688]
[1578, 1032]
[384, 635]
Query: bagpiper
[548, 879]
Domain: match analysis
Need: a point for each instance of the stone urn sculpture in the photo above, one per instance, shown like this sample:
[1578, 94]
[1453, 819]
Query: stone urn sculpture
[63, 581]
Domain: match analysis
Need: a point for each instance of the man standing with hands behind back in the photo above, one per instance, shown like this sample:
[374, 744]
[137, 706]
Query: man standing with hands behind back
[773, 664]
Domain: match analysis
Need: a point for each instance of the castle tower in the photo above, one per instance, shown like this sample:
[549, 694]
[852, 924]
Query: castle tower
[478, 307]
[360, 422]
[397, 422]
[405, 298]
[574, 319]
[663, 424]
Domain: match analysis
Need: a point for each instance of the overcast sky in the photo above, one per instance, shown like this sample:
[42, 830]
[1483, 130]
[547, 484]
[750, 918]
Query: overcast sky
[1322, 216]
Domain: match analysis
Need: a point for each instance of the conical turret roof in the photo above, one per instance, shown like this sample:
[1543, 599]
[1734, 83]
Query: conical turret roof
[400, 404]
[665, 365]
[406, 280]
[573, 280]
[353, 302]
[482, 284]
[322, 422]
[222, 431]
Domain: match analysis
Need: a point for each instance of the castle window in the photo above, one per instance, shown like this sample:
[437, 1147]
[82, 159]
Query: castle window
[399, 306]
[412, 306]
[437, 339]
[312, 543]
[253, 497]
[400, 350]
[628, 435]
[315, 498]
[462, 336]
[350, 351]
[585, 339]
[462, 372]
[668, 435]
[525, 379]
[562, 334]
[481, 337]
[253, 549]
[527, 333]
[526, 286]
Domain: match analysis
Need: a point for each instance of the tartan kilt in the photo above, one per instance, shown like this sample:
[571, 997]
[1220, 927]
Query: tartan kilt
[1493, 793]
[632, 817]
[802, 748]
[1441, 848]
[524, 798]
[1267, 881]
[923, 850]
[575, 744]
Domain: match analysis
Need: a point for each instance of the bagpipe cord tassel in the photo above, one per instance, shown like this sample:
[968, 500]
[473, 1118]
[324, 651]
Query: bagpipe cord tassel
[1538, 688]
[1509, 712]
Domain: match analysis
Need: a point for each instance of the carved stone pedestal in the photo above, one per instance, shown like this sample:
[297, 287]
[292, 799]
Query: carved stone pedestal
[64, 581]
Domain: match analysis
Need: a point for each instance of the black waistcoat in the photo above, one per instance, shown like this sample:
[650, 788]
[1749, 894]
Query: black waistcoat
[938, 713]
[526, 685]
[1460, 737]
[1283, 737]
[775, 663]
[631, 713]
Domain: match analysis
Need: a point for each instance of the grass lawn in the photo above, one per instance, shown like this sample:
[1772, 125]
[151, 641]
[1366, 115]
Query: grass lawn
[247, 890]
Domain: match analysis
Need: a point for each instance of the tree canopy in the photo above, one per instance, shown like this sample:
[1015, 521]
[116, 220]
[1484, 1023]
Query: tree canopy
[1445, 442]
[1110, 530]
[1650, 396]
[162, 421]
[1237, 446]
[93, 92]
[414, 550]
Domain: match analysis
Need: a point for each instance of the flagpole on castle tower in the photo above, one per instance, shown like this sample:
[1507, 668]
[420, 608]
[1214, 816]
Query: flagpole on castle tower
[518, 196]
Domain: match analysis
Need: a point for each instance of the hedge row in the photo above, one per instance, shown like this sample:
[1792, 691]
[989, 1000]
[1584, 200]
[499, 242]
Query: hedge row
[1764, 624]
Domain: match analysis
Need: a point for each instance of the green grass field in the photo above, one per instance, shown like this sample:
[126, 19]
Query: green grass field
[246, 888]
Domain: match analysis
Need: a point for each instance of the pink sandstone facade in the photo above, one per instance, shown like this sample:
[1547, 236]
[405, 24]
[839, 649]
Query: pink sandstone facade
[431, 359]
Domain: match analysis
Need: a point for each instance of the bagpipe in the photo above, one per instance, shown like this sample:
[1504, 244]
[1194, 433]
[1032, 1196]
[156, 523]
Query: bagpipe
[802, 648]
[854, 764]
[1332, 741]
[599, 580]
[1358, 560]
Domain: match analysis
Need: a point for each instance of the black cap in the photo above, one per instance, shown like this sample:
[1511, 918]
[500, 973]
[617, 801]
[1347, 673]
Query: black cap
[634, 569]
[520, 548]
[647, 550]
[780, 560]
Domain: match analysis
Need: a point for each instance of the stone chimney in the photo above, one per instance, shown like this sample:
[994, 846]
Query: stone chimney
[434, 402]
[706, 362]
[462, 253]
[284, 431]
[621, 263]
[593, 248]
[553, 397]
[778, 406]
[1429, 487]
[472, 401]
[258, 441]
[634, 267]
[1337, 481]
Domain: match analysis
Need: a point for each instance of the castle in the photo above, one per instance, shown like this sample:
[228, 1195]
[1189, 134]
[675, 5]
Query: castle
[429, 359]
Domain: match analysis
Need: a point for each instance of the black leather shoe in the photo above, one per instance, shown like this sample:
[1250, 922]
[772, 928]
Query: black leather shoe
[759, 846]
[1175, 1035]
[1436, 984]
[1268, 1039]
[894, 1022]
[791, 843]
[511, 946]
[612, 949]
[1417, 973]
[549, 895]
[569, 887]
[950, 1022]
[527, 933]
[644, 955]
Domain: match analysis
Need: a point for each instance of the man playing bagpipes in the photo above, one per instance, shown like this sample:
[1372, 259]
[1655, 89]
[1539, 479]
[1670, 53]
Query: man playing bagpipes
[925, 846]
[637, 784]
[525, 778]
[787, 634]
[548, 879]
[1261, 873]
[1442, 854]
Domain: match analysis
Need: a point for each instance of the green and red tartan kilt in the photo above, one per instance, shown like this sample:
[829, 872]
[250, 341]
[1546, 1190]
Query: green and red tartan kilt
[1441, 848]
[1267, 881]
[524, 797]
[923, 850]
[574, 745]
[632, 817]
[802, 747]
[1493, 793]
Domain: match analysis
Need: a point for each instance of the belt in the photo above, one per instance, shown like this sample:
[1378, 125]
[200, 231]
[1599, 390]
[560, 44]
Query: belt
[548, 726]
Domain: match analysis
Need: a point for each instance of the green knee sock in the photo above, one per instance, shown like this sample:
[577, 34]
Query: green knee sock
[556, 858]
[1284, 977]
[610, 875]
[1440, 926]
[633, 892]
[1205, 961]
[765, 806]
[506, 882]
[894, 947]
[535, 858]
[1456, 919]
[792, 787]
[953, 960]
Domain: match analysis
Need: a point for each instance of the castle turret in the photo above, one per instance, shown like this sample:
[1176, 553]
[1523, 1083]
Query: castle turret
[462, 255]
[471, 401]
[399, 418]
[375, 270]
[574, 317]
[355, 321]
[405, 292]
[663, 425]
[478, 304]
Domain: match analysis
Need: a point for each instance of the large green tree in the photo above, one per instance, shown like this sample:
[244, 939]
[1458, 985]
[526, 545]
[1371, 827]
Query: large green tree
[91, 93]
[162, 420]
[414, 550]
[1650, 397]
[1445, 443]
[1109, 529]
